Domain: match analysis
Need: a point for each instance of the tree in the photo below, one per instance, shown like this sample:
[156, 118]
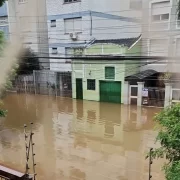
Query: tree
[28, 62]
[2, 2]
[169, 138]
[2, 42]
[178, 10]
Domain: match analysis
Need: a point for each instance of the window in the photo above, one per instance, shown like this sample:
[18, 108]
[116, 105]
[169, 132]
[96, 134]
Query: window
[54, 50]
[22, 1]
[136, 4]
[71, 1]
[73, 25]
[158, 13]
[160, 17]
[91, 84]
[53, 23]
[109, 73]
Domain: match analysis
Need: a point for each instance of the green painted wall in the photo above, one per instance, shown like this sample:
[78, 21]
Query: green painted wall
[105, 49]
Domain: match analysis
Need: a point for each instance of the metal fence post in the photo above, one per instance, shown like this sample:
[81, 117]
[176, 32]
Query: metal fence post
[34, 81]
[150, 163]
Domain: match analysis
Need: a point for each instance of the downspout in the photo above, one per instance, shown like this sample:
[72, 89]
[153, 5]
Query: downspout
[91, 23]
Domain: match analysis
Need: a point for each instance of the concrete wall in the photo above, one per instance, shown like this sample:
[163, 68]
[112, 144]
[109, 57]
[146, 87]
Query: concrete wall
[28, 23]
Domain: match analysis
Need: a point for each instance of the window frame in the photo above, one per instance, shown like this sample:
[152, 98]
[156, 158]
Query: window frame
[22, 1]
[52, 50]
[91, 84]
[114, 73]
[72, 1]
[53, 21]
[160, 18]
[66, 31]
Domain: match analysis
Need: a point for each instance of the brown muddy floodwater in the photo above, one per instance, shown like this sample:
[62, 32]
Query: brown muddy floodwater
[79, 140]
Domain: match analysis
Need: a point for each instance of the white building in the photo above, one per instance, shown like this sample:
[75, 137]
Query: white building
[77, 23]
[160, 33]
[28, 22]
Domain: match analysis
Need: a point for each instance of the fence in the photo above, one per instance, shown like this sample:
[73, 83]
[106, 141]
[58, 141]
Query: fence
[156, 96]
[44, 82]
[175, 95]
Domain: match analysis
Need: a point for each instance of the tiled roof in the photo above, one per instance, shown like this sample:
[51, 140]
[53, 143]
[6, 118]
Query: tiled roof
[141, 75]
[126, 42]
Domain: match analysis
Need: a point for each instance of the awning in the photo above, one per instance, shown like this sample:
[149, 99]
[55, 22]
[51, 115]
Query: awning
[142, 75]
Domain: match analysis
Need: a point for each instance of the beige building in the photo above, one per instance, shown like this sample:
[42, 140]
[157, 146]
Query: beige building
[28, 23]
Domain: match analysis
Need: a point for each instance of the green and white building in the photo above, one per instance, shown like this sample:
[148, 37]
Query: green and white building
[104, 80]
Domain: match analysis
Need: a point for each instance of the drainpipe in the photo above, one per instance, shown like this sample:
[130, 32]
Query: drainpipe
[91, 23]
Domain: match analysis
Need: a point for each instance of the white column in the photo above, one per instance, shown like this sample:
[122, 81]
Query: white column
[140, 89]
[168, 91]
[126, 93]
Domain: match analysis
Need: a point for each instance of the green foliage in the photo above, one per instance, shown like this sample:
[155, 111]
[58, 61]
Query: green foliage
[28, 62]
[2, 2]
[2, 112]
[178, 10]
[169, 138]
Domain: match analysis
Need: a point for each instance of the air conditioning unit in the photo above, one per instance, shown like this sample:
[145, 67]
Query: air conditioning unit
[73, 36]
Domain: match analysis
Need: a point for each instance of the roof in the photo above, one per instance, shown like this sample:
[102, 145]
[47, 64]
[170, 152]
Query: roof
[142, 74]
[126, 41]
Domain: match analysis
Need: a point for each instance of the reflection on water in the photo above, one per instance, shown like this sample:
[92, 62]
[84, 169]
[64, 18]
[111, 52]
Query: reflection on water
[79, 140]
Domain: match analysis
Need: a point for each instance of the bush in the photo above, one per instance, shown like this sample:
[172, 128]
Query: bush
[169, 138]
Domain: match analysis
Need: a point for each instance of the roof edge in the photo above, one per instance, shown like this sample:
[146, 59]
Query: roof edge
[135, 42]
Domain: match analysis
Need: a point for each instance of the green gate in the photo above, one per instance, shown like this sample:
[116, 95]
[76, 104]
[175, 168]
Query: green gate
[79, 89]
[110, 91]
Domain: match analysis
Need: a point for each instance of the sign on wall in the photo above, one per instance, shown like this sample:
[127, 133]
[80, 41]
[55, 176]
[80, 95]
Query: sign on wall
[145, 92]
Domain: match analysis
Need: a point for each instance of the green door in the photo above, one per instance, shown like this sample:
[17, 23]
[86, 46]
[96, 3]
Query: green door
[79, 89]
[110, 91]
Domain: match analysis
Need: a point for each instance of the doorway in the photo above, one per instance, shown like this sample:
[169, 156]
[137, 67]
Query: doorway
[79, 89]
[133, 94]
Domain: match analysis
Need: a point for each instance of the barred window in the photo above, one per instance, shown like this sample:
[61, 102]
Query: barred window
[109, 73]
[91, 84]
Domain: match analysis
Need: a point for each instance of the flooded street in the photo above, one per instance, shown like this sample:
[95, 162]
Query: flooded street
[79, 140]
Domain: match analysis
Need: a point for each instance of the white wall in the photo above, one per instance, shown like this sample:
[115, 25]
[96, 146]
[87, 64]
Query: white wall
[104, 27]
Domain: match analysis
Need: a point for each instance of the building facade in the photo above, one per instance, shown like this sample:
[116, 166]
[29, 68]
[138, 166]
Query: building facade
[78, 23]
[4, 26]
[102, 80]
[28, 23]
[160, 33]
[161, 37]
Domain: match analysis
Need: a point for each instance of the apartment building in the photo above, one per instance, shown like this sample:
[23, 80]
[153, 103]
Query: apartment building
[28, 23]
[74, 25]
[4, 20]
[161, 33]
